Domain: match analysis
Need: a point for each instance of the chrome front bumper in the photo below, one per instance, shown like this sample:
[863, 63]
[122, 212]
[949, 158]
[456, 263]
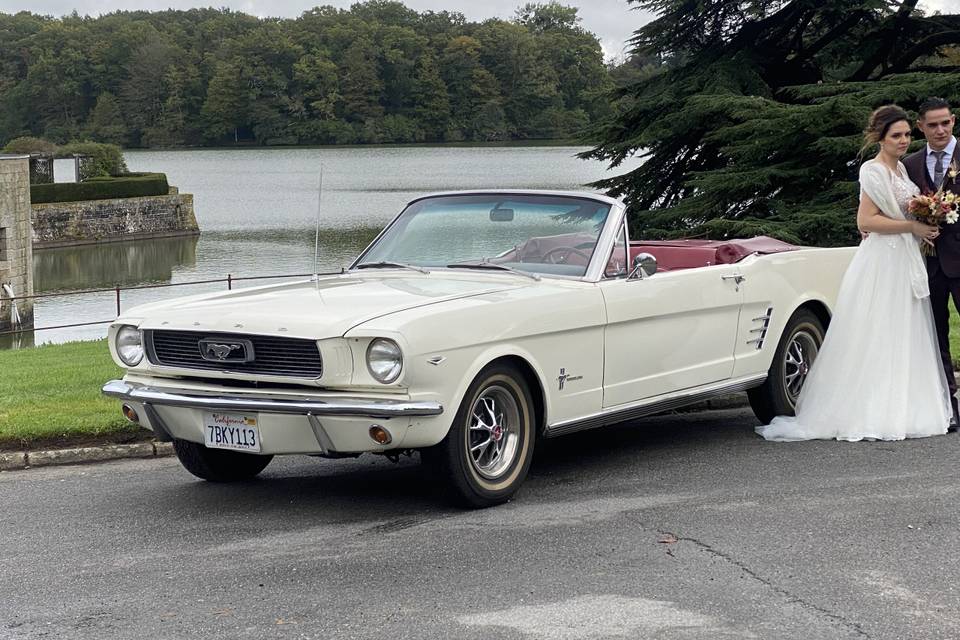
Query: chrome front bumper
[311, 408]
[365, 407]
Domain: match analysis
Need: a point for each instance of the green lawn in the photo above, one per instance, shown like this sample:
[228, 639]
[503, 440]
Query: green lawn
[955, 337]
[51, 394]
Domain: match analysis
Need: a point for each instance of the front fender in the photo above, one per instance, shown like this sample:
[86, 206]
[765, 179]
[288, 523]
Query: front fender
[496, 352]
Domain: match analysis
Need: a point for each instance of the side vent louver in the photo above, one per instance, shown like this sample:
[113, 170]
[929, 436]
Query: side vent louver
[761, 323]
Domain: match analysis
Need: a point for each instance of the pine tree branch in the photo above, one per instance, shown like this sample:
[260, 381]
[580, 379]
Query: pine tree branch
[952, 68]
[801, 28]
[889, 38]
[923, 48]
[831, 36]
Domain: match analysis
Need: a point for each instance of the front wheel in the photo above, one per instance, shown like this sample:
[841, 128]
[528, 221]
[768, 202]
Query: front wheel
[487, 452]
[218, 465]
[798, 348]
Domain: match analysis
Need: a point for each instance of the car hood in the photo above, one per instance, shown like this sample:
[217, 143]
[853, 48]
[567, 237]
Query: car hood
[319, 309]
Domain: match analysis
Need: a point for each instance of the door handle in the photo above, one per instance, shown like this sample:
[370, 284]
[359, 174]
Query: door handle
[737, 279]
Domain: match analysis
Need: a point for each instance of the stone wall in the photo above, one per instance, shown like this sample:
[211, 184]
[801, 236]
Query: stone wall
[63, 224]
[16, 255]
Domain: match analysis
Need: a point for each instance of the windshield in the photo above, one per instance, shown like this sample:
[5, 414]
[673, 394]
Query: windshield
[537, 234]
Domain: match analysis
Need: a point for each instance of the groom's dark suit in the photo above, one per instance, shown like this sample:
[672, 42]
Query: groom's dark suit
[943, 269]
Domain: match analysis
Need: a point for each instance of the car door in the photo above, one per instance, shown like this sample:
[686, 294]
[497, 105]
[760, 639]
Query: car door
[669, 332]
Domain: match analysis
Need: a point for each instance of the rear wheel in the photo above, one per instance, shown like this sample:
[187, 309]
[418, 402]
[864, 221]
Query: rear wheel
[218, 465]
[486, 455]
[798, 348]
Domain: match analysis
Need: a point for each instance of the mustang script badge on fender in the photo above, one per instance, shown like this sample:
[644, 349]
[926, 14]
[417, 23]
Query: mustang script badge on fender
[565, 377]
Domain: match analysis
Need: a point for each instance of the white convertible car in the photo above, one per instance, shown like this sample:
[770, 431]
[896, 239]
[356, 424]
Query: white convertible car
[473, 325]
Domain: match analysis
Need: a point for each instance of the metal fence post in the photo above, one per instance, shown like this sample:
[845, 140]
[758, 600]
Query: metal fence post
[118, 300]
[229, 282]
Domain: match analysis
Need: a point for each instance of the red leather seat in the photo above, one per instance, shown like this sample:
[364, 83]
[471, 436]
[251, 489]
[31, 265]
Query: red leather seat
[690, 254]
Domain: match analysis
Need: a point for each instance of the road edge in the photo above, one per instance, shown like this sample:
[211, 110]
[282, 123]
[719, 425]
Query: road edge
[20, 460]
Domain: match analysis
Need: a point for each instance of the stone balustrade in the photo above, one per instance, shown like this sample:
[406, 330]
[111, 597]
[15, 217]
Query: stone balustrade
[60, 224]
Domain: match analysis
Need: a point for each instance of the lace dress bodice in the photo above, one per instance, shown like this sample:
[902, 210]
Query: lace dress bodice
[903, 189]
[890, 191]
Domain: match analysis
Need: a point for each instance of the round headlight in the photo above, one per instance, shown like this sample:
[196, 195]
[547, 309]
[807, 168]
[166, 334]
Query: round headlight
[129, 345]
[384, 360]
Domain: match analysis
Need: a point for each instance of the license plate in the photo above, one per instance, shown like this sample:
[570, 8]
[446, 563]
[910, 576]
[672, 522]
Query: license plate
[231, 431]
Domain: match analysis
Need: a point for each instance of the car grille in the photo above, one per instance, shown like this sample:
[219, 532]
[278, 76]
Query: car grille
[273, 356]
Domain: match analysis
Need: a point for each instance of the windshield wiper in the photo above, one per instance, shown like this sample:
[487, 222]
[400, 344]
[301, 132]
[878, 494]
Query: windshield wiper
[483, 264]
[384, 264]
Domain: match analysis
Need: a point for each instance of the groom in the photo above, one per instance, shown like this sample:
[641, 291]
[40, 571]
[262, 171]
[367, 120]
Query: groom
[930, 168]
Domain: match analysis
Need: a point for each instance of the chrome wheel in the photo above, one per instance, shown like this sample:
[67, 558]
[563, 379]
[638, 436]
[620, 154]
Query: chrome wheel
[797, 348]
[487, 452]
[800, 354]
[493, 435]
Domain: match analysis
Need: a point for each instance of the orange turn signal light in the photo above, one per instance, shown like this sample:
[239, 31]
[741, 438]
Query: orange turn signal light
[130, 414]
[380, 435]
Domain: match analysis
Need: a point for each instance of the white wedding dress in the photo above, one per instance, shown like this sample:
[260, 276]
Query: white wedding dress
[878, 375]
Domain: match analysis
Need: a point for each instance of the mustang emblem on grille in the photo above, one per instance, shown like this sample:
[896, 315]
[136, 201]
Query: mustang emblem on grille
[222, 351]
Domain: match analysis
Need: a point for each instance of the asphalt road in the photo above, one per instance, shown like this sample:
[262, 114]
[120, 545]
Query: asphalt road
[674, 527]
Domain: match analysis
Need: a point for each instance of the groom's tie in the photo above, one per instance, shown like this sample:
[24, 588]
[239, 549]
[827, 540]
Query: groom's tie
[938, 169]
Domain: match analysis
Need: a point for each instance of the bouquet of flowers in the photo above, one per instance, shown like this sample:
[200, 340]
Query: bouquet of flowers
[936, 209]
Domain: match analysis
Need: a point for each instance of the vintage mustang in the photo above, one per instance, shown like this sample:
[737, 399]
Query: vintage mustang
[473, 325]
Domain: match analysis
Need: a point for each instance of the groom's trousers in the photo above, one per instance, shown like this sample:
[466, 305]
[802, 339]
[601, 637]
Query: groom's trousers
[942, 288]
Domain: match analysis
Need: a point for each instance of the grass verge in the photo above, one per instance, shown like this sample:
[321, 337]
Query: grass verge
[50, 397]
[955, 338]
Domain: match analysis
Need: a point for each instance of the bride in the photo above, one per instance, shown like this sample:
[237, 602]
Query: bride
[878, 375]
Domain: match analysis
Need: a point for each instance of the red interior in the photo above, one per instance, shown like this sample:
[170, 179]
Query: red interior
[671, 255]
[688, 254]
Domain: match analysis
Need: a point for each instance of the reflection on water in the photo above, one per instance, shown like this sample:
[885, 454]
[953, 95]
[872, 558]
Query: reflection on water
[178, 261]
[113, 264]
[18, 340]
[257, 210]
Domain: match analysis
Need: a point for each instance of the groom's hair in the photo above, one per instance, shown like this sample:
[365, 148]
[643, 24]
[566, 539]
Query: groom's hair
[932, 104]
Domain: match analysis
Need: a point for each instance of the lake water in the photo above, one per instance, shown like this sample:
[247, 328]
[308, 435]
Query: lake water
[257, 211]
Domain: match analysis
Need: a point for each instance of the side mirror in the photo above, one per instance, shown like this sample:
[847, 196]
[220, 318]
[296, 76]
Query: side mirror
[644, 266]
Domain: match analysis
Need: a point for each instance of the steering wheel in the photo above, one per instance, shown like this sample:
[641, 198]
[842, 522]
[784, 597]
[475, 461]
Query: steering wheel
[559, 255]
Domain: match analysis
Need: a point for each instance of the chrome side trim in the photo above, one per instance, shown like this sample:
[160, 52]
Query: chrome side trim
[346, 406]
[649, 407]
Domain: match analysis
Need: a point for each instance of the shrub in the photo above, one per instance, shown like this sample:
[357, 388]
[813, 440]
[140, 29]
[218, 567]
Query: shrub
[107, 159]
[28, 144]
[102, 188]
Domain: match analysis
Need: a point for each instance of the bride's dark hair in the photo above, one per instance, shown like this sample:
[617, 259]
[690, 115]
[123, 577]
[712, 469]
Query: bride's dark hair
[879, 124]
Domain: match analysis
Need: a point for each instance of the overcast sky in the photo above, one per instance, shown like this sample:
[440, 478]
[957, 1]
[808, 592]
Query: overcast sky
[611, 20]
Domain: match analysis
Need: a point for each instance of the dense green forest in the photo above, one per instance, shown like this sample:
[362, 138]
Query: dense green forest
[378, 72]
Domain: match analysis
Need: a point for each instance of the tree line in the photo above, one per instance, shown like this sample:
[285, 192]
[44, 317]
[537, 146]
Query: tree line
[377, 72]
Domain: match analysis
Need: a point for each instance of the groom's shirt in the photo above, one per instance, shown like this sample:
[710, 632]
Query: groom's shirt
[945, 161]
